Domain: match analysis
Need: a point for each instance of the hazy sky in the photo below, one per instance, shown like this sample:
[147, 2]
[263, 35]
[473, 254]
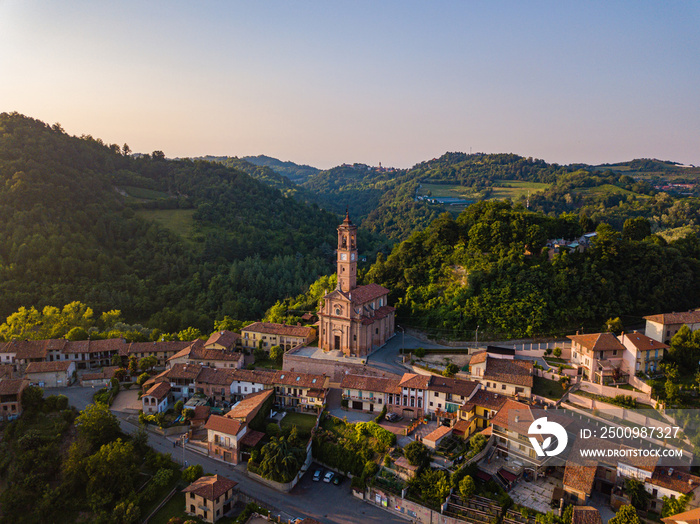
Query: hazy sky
[329, 82]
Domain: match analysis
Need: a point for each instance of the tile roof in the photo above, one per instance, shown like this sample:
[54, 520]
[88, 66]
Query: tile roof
[686, 317]
[201, 412]
[506, 417]
[184, 372]
[284, 330]
[678, 481]
[213, 376]
[251, 438]
[579, 477]
[6, 371]
[210, 488]
[456, 386]
[377, 314]
[413, 380]
[26, 349]
[485, 399]
[12, 386]
[214, 355]
[364, 294]
[163, 346]
[438, 433]
[94, 346]
[403, 462]
[687, 517]
[518, 372]
[642, 342]
[49, 367]
[309, 520]
[225, 338]
[597, 341]
[249, 406]
[385, 384]
[229, 426]
[586, 515]
[255, 376]
[303, 380]
[461, 427]
[478, 357]
[158, 391]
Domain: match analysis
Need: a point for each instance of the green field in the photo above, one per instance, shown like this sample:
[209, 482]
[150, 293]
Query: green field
[179, 221]
[143, 193]
[547, 388]
[502, 189]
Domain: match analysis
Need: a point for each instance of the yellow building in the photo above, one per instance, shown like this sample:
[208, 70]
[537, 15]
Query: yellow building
[271, 334]
[210, 498]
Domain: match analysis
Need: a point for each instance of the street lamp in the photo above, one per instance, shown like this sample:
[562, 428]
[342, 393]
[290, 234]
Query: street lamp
[476, 338]
[403, 338]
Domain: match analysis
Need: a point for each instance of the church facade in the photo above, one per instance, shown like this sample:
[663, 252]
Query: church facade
[354, 319]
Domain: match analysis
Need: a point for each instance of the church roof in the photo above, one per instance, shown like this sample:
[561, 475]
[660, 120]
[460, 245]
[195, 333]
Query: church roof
[364, 294]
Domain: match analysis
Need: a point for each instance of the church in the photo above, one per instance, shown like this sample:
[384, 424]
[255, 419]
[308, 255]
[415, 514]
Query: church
[354, 319]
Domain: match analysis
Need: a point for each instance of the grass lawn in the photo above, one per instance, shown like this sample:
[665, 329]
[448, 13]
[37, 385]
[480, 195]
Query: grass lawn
[514, 189]
[267, 364]
[547, 388]
[176, 508]
[556, 362]
[179, 221]
[303, 421]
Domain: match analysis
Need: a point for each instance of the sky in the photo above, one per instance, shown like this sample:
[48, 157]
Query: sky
[397, 82]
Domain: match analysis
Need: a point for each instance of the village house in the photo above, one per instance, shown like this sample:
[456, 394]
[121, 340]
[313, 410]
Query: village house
[300, 391]
[268, 334]
[446, 395]
[162, 350]
[642, 353]
[8, 355]
[672, 483]
[50, 374]
[215, 383]
[687, 517]
[182, 378]
[223, 341]
[662, 327]
[223, 435]
[157, 398]
[11, 397]
[499, 374]
[586, 515]
[598, 357]
[369, 393]
[411, 400]
[210, 498]
[248, 381]
[99, 378]
[199, 353]
[477, 413]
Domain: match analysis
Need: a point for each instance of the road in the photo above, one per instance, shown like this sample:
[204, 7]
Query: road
[326, 503]
[386, 358]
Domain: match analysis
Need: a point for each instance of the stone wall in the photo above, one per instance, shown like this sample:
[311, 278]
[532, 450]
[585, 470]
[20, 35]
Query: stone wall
[332, 368]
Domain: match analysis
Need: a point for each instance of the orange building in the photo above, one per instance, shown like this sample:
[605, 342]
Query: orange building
[354, 319]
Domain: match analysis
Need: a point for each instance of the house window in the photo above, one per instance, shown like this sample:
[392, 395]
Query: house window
[503, 386]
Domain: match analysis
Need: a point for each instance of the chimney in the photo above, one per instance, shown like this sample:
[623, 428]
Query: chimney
[517, 418]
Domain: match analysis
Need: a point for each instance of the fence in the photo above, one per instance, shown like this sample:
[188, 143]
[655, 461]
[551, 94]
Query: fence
[634, 416]
[609, 391]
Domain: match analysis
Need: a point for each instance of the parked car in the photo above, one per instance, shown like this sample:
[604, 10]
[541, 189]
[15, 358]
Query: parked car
[317, 475]
[338, 479]
[392, 417]
[328, 477]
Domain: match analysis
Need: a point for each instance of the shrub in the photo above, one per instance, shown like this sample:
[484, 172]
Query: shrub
[143, 377]
[557, 352]
[381, 415]
[178, 406]
[419, 352]
[192, 473]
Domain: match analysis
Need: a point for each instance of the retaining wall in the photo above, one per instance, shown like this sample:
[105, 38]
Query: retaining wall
[610, 391]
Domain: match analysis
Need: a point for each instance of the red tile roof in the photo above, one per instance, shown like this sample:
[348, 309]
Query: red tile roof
[438, 433]
[456, 386]
[214, 376]
[598, 341]
[210, 488]
[686, 317]
[269, 328]
[643, 342]
[49, 367]
[364, 294]
[485, 399]
[301, 380]
[251, 438]
[586, 515]
[12, 386]
[225, 338]
[678, 481]
[229, 426]
[413, 380]
[27, 349]
[184, 372]
[158, 391]
[255, 376]
[478, 357]
[687, 517]
[518, 372]
[385, 384]
[249, 406]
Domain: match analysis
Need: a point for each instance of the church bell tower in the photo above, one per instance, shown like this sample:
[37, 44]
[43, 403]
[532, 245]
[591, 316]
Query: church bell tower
[347, 255]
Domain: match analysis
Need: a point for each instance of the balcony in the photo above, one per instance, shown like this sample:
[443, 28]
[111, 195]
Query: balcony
[444, 414]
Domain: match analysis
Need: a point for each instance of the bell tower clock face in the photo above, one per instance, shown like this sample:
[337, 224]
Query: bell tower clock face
[343, 256]
[352, 256]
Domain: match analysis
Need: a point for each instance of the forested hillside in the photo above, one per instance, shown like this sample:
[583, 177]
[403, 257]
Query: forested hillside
[474, 270]
[180, 242]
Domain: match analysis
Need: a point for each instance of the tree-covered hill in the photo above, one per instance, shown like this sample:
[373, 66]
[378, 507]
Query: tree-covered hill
[81, 220]
[474, 270]
[297, 173]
